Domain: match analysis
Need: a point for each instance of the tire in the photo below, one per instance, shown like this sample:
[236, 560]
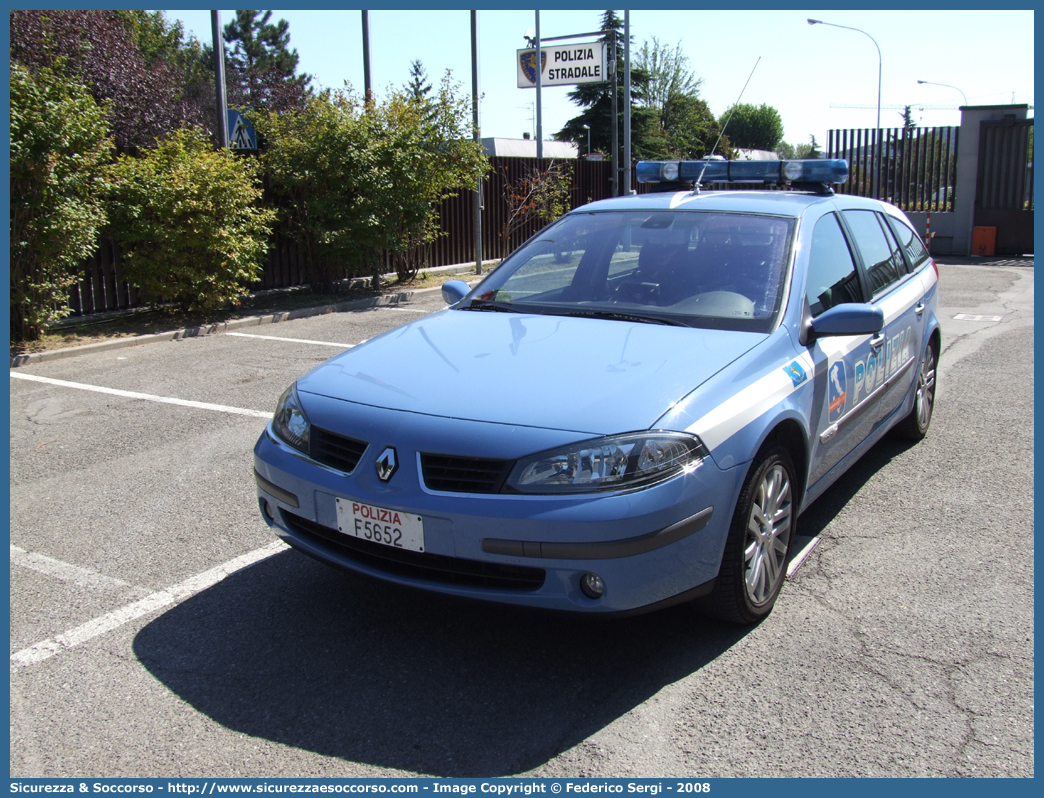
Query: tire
[754, 565]
[915, 426]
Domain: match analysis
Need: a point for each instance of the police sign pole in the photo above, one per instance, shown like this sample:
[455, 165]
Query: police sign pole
[539, 81]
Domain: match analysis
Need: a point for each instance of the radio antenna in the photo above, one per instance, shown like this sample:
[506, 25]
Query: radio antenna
[727, 120]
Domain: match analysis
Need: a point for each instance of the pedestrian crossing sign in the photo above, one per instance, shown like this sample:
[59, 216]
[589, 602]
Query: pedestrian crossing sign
[241, 134]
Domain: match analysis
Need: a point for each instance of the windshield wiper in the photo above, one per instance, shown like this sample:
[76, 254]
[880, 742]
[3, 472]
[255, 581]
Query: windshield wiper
[486, 304]
[615, 315]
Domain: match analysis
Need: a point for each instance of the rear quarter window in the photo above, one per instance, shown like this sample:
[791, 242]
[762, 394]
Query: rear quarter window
[881, 256]
[913, 248]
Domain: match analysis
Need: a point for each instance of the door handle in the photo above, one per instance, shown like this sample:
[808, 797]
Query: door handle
[919, 310]
[877, 341]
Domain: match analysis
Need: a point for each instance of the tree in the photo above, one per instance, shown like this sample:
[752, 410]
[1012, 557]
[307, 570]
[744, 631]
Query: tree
[160, 41]
[144, 93]
[538, 196]
[687, 128]
[813, 150]
[753, 127]
[418, 87]
[908, 120]
[156, 39]
[190, 221]
[798, 151]
[58, 145]
[596, 99]
[261, 67]
[690, 129]
[668, 71]
[356, 179]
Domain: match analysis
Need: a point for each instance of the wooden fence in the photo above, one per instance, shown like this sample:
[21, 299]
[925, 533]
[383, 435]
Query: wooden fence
[104, 289]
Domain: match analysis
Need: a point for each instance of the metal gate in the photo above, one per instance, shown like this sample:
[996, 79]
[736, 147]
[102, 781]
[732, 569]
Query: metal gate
[1004, 187]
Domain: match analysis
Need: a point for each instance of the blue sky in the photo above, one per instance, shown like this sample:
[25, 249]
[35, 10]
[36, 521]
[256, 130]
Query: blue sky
[805, 72]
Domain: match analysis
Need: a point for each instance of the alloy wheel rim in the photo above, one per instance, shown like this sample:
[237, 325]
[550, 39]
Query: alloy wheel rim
[926, 389]
[768, 535]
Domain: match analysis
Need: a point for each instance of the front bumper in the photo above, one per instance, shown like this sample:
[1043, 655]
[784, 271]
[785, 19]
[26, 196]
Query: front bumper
[648, 546]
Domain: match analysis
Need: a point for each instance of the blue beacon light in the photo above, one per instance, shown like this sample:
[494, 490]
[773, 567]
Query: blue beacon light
[714, 171]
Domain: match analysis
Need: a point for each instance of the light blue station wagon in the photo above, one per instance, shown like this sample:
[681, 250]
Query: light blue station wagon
[631, 411]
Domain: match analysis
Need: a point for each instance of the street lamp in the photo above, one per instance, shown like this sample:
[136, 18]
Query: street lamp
[857, 30]
[588, 129]
[948, 86]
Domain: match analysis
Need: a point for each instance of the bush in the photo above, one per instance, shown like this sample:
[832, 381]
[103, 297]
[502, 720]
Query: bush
[58, 145]
[356, 180]
[187, 216]
[316, 160]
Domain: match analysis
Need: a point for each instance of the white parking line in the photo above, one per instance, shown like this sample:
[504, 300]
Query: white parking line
[168, 400]
[290, 340]
[404, 310]
[65, 572]
[151, 603]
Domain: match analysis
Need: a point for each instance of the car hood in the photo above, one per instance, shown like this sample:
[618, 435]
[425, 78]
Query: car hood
[553, 372]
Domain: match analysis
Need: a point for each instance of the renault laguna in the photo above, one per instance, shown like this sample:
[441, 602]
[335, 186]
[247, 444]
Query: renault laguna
[631, 411]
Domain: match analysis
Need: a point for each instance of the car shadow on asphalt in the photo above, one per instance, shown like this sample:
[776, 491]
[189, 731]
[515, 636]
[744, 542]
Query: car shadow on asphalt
[299, 653]
[296, 652]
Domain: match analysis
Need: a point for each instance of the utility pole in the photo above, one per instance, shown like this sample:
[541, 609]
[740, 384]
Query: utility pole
[367, 84]
[476, 120]
[219, 77]
[615, 122]
[627, 104]
[375, 276]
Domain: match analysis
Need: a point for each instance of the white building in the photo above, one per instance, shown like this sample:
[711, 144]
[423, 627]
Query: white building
[526, 148]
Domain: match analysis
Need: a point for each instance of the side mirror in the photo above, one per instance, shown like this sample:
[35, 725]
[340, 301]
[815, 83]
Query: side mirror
[454, 291]
[849, 318]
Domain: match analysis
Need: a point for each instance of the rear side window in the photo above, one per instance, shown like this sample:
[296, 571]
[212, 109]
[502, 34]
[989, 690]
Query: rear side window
[884, 263]
[832, 277]
[916, 254]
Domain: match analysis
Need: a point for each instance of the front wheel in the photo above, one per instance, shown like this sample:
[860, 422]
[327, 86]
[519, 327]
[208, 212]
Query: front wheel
[754, 564]
[915, 426]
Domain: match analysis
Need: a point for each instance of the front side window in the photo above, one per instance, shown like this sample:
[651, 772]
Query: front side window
[881, 257]
[832, 277]
[697, 268]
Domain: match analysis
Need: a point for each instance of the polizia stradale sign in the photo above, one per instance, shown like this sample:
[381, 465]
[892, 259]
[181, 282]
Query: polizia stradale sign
[562, 65]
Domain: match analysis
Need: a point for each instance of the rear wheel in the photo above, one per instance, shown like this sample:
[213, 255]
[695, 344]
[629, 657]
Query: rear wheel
[755, 561]
[915, 425]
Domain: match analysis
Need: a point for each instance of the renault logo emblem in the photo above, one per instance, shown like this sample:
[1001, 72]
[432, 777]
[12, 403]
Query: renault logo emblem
[386, 464]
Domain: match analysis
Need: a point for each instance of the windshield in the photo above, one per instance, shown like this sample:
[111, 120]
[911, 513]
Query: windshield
[698, 268]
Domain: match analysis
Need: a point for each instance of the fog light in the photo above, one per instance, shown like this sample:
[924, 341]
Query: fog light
[592, 586]
[269, 512]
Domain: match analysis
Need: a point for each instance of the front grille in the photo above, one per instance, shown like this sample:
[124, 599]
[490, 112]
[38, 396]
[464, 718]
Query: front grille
[418, 565]
[464, 474]
[336, 451]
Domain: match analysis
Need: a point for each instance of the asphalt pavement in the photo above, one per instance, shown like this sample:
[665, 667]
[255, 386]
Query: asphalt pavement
[157, 629]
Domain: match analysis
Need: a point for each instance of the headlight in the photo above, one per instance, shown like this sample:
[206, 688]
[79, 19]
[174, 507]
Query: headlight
[617, 462]
[289, 422]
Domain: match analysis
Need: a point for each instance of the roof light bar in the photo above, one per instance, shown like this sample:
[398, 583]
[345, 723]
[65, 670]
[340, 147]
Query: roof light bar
[713, 171]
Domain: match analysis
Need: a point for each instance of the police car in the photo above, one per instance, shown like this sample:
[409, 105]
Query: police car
[631, 411]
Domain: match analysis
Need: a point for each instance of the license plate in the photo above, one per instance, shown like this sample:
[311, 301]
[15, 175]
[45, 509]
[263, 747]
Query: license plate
[380, 525]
